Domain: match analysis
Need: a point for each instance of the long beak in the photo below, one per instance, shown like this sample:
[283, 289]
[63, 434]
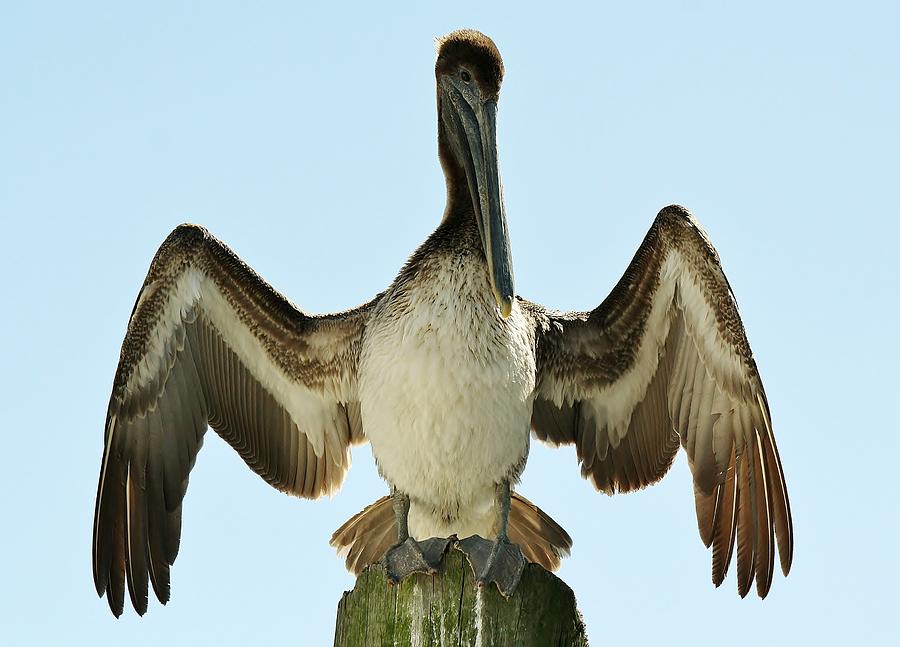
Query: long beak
[472, 126]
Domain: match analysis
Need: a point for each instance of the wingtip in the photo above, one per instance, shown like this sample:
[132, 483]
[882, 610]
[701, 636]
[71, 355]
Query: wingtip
[115, 607]
[786, 565]
[139, 603]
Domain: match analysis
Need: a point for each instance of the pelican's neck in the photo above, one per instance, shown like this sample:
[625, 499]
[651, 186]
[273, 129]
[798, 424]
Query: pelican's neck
[459, 198]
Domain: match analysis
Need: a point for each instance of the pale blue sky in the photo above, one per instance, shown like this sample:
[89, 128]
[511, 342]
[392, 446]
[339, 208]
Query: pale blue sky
[305, 139]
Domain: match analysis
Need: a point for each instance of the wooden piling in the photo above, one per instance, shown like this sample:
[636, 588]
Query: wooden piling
[448, 609]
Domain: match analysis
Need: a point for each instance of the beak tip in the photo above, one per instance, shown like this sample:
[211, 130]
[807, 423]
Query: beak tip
[505, 304]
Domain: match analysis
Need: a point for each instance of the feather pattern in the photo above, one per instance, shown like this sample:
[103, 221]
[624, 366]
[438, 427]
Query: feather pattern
[210, 343]
[663, 361]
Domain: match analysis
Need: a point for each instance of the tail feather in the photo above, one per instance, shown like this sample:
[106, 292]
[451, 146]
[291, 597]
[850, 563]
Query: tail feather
[542, 540]
[369, 534]
[366, 536]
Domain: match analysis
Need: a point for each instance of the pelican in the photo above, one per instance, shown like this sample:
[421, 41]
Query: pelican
[447, 374]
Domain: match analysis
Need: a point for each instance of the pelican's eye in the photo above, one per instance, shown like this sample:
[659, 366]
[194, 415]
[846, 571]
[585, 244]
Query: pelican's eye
[465, 76]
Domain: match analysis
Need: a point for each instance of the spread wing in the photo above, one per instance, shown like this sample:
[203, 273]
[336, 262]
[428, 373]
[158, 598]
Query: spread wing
[210, 343]
[664, 360]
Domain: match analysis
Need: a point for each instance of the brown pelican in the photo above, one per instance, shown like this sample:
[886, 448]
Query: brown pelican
[446, 373]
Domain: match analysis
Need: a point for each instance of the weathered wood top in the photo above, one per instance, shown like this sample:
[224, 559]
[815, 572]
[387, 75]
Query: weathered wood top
[449, 609]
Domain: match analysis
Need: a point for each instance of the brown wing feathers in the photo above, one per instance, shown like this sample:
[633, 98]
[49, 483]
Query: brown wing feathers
[704, 390]
[644, 455]
[179, 372]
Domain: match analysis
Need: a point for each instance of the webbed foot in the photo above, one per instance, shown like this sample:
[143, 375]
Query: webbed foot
[413, 556]
[500, 562]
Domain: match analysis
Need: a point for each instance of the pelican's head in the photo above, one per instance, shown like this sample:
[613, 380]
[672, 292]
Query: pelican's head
[469, 71]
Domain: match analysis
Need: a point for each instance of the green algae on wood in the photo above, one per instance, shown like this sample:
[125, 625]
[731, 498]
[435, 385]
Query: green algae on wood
[447, 610]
